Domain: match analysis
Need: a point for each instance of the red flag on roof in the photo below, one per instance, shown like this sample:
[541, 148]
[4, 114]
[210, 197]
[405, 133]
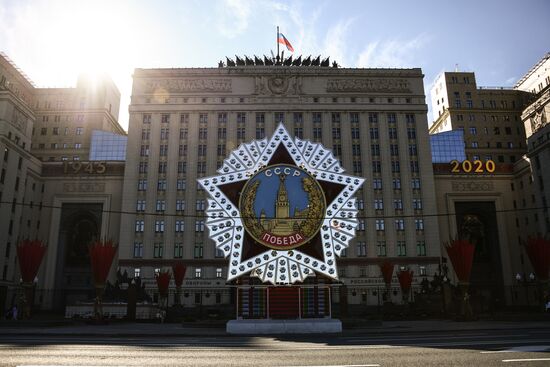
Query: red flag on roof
[282, 39]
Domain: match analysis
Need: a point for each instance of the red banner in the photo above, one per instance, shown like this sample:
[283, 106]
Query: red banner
[387, 272]
[538, 250]
[405, 280]
[178, 269]
[461, 253]
[102, 254]
[30, 254]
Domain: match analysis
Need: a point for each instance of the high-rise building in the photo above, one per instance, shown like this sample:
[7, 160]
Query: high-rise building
[185, 122]
[489, 116]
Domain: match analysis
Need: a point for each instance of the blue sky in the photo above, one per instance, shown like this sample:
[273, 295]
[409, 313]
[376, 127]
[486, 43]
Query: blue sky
[53, 40]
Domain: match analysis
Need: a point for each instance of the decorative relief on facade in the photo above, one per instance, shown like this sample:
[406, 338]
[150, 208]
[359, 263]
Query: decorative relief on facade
[472, 186]
[189, 85]
[277, 85]
[19, 120]
[368, 85]
[539, 116]
[84, 187]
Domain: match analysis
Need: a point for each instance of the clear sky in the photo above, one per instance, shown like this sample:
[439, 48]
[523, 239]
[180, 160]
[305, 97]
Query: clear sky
[54, 40]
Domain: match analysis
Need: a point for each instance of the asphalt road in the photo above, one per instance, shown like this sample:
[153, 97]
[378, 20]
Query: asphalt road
[517, 347]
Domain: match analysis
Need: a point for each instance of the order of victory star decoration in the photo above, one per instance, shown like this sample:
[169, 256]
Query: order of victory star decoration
[281, 210]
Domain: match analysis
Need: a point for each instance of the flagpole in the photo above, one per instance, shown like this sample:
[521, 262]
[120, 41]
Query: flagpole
[277, 43]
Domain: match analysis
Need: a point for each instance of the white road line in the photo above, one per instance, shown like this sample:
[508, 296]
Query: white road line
[525, 360]
[522, 348]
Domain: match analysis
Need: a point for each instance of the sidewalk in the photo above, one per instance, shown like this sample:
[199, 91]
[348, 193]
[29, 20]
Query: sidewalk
[121, 329]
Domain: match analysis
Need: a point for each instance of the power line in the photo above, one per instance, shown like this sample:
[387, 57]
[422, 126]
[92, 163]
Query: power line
[203, 216]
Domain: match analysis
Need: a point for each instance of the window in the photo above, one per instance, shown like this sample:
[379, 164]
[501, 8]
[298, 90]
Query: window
[395, 167]
[398, 204]
[182, 150]
[199, 226]
[163, 150]
[394, 150]
[180, 205]
[396, 184]
[392, 131]
[182, 168]
[140, 206]
[183, 133]
[417, 204]
[203, 118]
[378, 204]
[222, 133]
[138, 249]
[381, 248]
[380, 226]
[161, 205]
[413, 151]
[373, 117]
[142, 185]
[165, 118]
[279, 117]
[317, 134]
[401, 248]
[260, 132]
[180, 184]
[202, 150]
[198, 274]
[336, 133]
[178, 250]
[146, 118]
[219, 252]
[79, 131]
[201, 167]
[411, 133]
[201, 206]
[163, 167]
[473, 130]
[399, 225]
[377, 184]
[158, 250]
[376, 167]
[219, 273]
[475, 144]
[373, 133]
[415, 183]
[197, 251]
[337, 149]
[299, 132]
[355, 133]
[161, 185]
[55, 131]
[375, 149]
[137, 272]
[140, 226]
[421, 248]
[144, 151]
[164, 133]
[361, 225]
[419, 224]
[361, 249]
[203, 133]
[414, 166]
[159, 226]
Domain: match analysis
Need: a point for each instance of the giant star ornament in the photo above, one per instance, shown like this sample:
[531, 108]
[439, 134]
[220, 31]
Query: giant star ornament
[280, 266]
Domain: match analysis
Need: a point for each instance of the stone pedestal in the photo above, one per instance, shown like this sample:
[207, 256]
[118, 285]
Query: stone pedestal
[303, 326]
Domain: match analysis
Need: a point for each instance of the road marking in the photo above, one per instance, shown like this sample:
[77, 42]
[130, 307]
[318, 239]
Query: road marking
[342, 365]
[525, 360]
[522, 348]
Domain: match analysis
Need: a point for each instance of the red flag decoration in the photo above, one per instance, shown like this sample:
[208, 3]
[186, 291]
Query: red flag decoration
[538, 250]
[387, 272]
[163, 281]
[282, 39]
[461, 253]
[102, 254]
[30, 254]
[178, 269]
[405, 280]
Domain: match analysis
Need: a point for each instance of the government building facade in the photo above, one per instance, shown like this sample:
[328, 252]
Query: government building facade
[71, 175]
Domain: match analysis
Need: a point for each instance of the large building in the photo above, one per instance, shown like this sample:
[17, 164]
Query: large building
[184, 123]
[70, 174]
[49, 188]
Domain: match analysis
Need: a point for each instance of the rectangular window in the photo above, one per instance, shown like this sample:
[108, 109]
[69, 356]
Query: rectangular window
[421, 248]
[161, 205]
[182, 150]
[178, 250]
[198, 274]
[180, 205]
[415, 183]
[401, 248]
[355, 133]
[377, 184]
[413, 150]
[158, 250]
[373, 133]
[203, 133]
[138, 249]
[79, 130]
[222, 133]
[419, 224]
[140, 226]
[373, 117]
[380, 226]
[398, 204]
[199, 226]
[159, 226]
[378, 204]
[218, 274]
[140, 206]
[317, 134]
[182, 168]
[392, 132]
[184, 118]
[203, 118]
[376, 167]
[361, 249]
[183, 133]
[375, 149]
[399, 225]
[180, 184]
[198, 251]
[381, 248]
[396, 183]
[142, 185]
[179, 226]
[279, 117]
[411, 133]
[164, 133]
[417, 204]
